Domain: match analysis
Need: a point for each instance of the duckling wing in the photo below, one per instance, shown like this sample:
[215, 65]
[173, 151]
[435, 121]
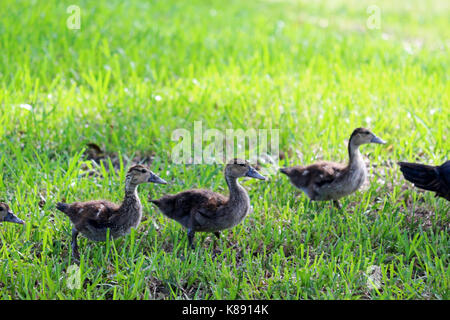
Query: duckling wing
[201, 204]
[207, 216]
[208, 208]
[444, 173]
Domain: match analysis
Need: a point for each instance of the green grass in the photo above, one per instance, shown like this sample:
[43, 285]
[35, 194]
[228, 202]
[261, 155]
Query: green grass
[312, 70]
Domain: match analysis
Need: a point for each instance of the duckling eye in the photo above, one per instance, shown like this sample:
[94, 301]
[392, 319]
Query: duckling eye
[143, 170]
[242, 164]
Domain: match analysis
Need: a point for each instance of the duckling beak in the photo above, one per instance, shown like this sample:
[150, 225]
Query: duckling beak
[375, 139]
[10, 217]
[155, 179]
[254, 174]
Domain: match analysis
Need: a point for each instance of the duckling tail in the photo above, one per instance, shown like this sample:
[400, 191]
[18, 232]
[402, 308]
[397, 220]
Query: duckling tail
[62, 207]
[423, 176]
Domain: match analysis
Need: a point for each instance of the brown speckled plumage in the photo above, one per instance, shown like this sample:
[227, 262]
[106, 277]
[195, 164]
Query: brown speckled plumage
[201, 210]
[330, 180]
[94, 218]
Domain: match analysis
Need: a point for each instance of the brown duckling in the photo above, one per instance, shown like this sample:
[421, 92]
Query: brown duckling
[329, 180]
[200, 210]
[94, 218]
[431, 178]
[7, 215]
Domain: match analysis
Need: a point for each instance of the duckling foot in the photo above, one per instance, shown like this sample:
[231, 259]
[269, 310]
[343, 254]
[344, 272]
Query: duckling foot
[191, 234]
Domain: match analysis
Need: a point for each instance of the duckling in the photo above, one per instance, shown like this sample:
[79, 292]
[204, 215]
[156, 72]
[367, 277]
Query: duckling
[94, 218]
[431, 178]
[200, 210]
[329, 180]
[7, 215]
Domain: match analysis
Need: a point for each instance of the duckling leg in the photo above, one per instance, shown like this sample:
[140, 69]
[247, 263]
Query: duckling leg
[191, 234]
[337, 204]
[75, 253]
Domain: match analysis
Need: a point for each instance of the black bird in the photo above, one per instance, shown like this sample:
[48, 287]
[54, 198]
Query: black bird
[431, 178]
[202, 210]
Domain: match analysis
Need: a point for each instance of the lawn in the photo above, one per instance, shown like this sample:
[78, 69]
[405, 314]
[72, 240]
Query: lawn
[135, 71]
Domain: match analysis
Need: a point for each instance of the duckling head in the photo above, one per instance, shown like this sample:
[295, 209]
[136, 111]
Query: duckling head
[362, 136]
[7, 215]
[139, 174]
[237, 168]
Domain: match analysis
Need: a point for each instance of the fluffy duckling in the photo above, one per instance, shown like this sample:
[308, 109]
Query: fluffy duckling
[431, 178]
[200, 210]
[94, 218]
[7, 215]
[332, 181]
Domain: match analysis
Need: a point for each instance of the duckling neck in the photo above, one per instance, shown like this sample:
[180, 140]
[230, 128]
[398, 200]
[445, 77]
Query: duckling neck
[238, 195]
